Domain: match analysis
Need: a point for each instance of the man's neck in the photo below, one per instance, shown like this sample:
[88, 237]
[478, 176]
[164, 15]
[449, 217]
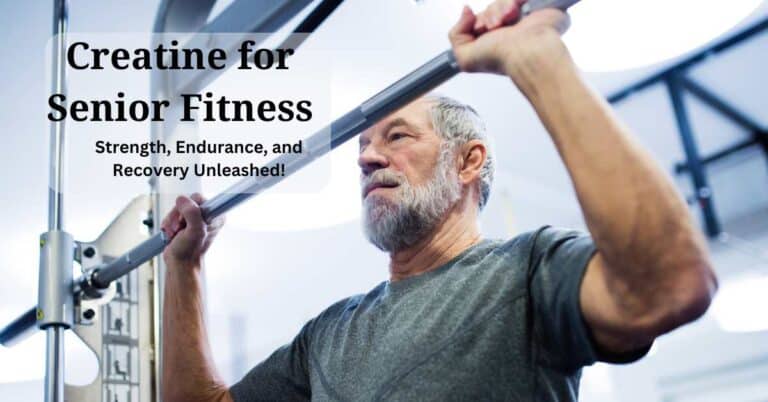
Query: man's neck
[455, 234]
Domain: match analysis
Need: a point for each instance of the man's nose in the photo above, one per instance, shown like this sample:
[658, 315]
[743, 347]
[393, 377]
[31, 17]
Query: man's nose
[370, 160]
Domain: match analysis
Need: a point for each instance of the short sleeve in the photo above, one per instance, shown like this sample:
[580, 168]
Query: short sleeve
[283, 376]
[559, 259]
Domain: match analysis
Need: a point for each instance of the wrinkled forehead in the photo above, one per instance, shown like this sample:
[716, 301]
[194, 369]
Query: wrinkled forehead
[416, 116]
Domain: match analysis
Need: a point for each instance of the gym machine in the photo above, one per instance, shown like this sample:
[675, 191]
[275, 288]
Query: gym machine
[118, 290]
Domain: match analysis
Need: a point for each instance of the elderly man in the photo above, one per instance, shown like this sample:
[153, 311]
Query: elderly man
[463, 318]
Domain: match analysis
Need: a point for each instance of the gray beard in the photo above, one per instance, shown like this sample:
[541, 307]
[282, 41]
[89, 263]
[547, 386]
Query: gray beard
[394, 226]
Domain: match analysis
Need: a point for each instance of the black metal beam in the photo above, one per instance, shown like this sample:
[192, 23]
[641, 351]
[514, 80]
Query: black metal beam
[242, 17]
[689, 61]
[676, 81]
[310, 24]
[703, 192]
[682, 167]
[318, 16]
[722, 106]
[16, 330]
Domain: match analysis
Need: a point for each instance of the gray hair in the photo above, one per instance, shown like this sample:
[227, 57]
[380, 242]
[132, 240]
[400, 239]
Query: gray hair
[458, 123]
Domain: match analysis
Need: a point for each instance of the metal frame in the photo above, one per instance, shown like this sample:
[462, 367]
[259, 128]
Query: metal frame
[55, 311]
[678, 84]
[51, 297]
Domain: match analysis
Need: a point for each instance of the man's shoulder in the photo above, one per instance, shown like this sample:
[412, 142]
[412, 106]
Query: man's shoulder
[527, 246]
[542, 236]
[348, 304]
[518, 242]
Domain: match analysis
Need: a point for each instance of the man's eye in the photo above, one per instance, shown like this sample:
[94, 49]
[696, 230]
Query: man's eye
[396, 136]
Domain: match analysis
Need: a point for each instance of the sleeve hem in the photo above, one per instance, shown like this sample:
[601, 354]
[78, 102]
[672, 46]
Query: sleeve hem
[591, 354]
[597, 353]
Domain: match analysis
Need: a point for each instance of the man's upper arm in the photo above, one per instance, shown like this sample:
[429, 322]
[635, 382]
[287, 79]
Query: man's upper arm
[603, 314]
[559, 263]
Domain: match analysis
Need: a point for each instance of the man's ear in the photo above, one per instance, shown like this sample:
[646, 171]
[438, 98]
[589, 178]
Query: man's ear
[473, 155]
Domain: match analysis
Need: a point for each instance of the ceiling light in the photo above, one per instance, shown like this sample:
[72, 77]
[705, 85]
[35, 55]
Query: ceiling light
[610, 35]
[615, 35]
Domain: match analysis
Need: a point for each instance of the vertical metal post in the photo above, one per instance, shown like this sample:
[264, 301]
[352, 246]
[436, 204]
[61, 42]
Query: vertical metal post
[58, 86]
[758, 131]
[54, 372]
[693, 159]
[54, 367]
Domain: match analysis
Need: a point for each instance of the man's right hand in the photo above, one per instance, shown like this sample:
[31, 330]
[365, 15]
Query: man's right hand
[189, 373]
[190, 235]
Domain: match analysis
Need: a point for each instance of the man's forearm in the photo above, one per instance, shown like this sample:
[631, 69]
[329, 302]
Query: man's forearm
[189, 373]
[625, 197]
[638, 220]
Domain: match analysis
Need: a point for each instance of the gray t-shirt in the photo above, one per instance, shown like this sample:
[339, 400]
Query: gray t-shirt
[499, 322]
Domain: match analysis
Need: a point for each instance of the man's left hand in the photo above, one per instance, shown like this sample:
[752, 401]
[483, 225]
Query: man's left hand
[486, 42]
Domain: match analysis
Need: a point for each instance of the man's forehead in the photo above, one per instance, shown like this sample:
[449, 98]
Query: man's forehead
[415, 114]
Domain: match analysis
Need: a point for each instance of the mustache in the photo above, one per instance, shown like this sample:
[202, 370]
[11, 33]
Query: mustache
[381, 177]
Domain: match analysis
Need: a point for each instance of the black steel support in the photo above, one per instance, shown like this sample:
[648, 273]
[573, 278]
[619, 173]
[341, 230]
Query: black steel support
[682, 167]
[703, 193]
[241, 18]
[317, 16]
[721, 105]
[689, 61]
[17, 329]
[758, 132]
[677, 82]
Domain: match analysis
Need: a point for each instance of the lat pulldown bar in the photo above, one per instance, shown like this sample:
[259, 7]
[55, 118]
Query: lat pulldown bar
[423, 79]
